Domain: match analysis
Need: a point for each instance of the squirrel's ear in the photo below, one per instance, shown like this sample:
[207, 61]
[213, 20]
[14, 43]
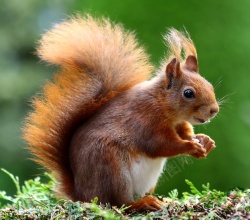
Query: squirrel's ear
[192, 64]
[173, 70]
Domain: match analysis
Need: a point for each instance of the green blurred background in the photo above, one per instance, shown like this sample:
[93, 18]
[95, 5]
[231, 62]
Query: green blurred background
[221, 32]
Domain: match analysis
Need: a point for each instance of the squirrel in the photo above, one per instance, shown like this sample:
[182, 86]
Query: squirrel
[104, 126]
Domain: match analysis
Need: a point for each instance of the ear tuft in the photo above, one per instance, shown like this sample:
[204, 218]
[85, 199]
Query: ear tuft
[192, 64]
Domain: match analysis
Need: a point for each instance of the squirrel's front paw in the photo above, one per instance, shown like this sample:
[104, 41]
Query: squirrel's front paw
[207, 143]
[195, 149]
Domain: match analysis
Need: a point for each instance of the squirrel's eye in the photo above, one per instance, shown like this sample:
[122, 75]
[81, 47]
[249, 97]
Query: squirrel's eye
[189, 94]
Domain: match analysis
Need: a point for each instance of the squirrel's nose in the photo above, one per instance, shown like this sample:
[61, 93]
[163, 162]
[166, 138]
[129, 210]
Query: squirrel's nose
[214, 111]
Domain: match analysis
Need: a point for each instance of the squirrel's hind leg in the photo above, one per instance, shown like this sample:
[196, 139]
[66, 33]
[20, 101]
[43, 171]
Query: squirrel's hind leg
[146, 203]
[100, 170]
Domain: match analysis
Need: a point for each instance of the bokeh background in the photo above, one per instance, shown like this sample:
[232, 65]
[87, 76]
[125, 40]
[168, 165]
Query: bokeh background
[221, 32]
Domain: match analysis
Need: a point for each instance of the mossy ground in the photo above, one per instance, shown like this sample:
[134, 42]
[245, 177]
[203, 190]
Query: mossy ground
[35, 200]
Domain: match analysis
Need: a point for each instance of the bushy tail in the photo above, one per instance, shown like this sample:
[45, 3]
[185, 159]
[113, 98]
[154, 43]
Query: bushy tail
[97, 60]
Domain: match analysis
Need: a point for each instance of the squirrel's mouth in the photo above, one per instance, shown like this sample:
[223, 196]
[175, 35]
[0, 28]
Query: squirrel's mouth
[196, 121]
[200, 120]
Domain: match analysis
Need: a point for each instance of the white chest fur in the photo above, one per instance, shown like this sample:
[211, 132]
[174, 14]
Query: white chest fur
[145, 172]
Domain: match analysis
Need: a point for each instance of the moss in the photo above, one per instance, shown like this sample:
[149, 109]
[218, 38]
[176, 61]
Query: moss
[36, 200]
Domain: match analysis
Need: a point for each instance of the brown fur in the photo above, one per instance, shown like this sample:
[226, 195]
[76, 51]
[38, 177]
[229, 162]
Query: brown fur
[102, 111]
[98, 60]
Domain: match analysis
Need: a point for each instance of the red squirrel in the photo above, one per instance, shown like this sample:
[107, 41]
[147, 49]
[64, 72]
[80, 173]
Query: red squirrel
[104, 126]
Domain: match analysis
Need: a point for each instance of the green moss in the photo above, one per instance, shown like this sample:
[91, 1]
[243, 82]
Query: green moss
[36, 200]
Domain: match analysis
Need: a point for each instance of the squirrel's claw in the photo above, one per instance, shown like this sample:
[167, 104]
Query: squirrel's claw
[206, 141]
[196, 149]
[146, 203]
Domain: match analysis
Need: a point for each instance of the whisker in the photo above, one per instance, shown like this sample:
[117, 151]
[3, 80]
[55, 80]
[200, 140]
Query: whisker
[218, 83]
[224, 99]
[219, 115]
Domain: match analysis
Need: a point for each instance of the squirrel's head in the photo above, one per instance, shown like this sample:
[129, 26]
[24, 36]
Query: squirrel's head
[192, 97]
[191, 94]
